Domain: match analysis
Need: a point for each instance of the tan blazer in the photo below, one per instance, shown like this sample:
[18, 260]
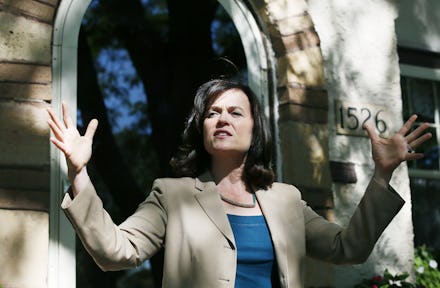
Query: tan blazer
[186, 217]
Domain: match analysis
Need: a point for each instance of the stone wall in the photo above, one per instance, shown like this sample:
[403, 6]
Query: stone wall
[25, 89]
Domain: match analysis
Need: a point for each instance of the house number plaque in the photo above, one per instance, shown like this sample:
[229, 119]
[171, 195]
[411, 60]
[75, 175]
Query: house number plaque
[351, 117]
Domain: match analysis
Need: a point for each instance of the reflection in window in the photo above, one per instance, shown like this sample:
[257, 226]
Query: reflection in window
[420, 96]
[425, 209]
[431, 151]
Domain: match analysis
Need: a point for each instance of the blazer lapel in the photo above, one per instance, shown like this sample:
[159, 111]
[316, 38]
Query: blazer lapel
[209, 200]
[275, 218]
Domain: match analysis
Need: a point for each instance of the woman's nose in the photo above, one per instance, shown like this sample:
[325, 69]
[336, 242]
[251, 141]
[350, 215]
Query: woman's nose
[223, 118]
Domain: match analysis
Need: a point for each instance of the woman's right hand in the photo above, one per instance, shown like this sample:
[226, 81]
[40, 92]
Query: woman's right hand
[76, 148]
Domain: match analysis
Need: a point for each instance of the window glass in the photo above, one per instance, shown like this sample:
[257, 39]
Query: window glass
[422, 100]
[431, 151]
[420, 96]
[425, 195]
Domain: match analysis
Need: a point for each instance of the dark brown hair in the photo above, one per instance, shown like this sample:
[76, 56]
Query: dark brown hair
[192, 158]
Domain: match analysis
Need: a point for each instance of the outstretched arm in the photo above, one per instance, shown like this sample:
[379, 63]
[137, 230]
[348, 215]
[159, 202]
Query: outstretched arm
[76, 148]
[352, 245]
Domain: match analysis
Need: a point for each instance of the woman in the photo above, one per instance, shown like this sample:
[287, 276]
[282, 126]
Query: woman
[225, 223]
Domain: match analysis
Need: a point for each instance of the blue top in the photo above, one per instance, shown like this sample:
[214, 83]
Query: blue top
[255, 254]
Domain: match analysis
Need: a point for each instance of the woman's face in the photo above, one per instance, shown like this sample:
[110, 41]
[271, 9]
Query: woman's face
[228, 124]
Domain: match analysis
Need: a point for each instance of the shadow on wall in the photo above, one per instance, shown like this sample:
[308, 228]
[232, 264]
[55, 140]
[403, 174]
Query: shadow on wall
[25, 91]
[15, 252]
[21, 259]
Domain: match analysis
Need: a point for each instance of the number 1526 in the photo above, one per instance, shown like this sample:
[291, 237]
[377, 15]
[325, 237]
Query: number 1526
[351, 117]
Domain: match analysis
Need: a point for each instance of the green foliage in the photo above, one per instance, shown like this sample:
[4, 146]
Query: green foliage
[103, 27]
[387, 281]
[138, 151]
[427, 272]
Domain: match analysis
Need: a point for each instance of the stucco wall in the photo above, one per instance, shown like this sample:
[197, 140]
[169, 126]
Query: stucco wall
[358, 43]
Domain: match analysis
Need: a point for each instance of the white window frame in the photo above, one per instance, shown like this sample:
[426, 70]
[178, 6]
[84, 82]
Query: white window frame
[62, 262]
[428, 74]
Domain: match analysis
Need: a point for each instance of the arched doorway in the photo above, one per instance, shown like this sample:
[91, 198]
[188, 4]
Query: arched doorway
[65, 43]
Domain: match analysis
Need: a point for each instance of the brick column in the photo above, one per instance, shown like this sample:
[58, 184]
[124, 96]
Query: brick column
[303, 110]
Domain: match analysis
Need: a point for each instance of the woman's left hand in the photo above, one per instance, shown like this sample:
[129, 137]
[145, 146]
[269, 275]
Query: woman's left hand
[389, 153]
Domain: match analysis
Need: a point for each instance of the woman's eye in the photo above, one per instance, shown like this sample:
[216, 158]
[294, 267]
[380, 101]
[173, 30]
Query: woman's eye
[236, 113]
[211, 114]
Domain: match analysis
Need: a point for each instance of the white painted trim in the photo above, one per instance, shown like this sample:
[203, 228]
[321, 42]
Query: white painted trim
[420, 72]
[62, 262]
[257, 59]
[250, 36]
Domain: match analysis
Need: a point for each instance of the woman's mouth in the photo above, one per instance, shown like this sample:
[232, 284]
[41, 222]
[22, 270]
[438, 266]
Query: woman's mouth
[222, 133]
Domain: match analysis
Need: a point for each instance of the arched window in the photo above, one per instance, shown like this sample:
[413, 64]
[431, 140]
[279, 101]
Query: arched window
[65, 42]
